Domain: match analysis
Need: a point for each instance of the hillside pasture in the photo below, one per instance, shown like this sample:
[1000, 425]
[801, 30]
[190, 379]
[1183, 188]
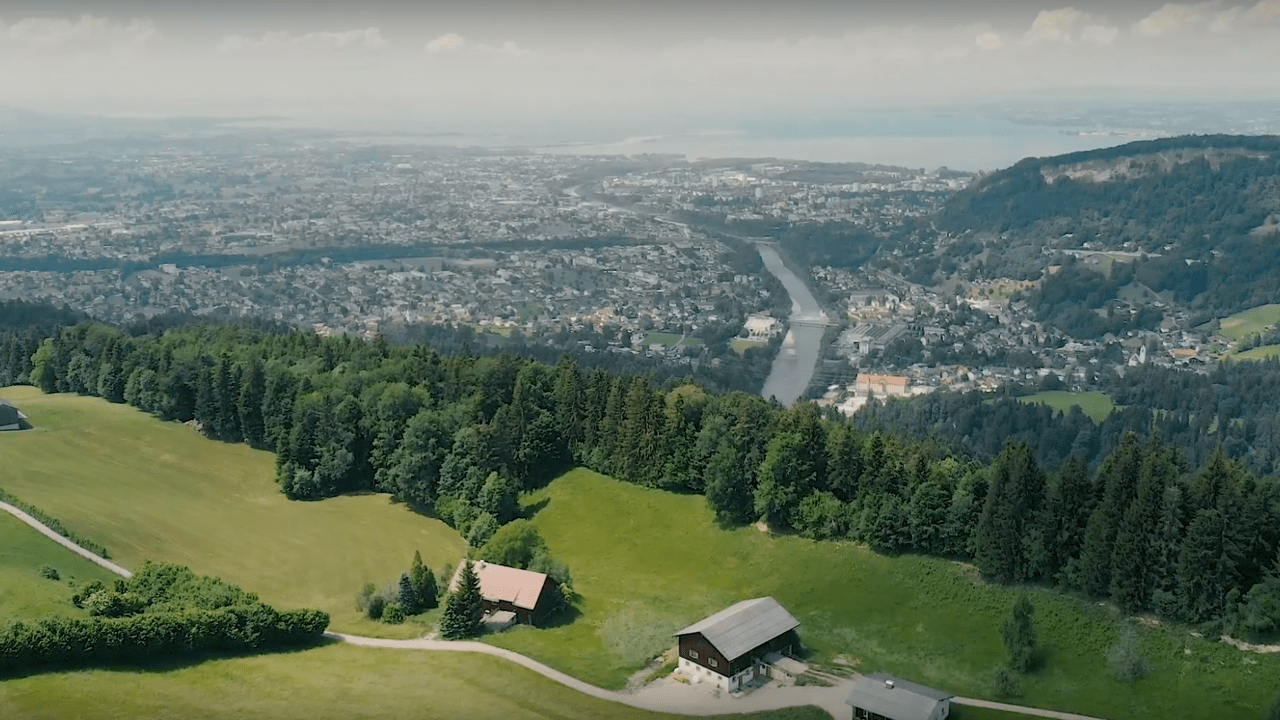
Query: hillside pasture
[338, 682]
[1097, 405]
[24, 593]
[1250, 322]
[154, 490]
[647, 562]
[1262, 352]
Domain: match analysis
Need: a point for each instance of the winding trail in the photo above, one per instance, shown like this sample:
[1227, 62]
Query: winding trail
[64, 542]
[666, 696]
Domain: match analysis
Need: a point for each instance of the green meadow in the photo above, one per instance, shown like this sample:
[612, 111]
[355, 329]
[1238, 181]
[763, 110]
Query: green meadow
[1250, 322]
[1095, 404]
[661, 338]
[648, 562]
[1261, 352]
[336, 681]
[24, 593]
[148, 489]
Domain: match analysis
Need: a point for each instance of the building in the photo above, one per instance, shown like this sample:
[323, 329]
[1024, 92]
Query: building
[885, 697]
[738, 644]
[761, 327]
[524, 593]
[11, 418]
[881, 385]
[866, 337]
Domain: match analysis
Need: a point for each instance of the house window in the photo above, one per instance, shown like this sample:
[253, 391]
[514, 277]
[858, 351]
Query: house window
[711, 661]
[693, 654]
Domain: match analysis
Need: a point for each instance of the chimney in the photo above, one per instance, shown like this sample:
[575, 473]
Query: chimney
[888, 684]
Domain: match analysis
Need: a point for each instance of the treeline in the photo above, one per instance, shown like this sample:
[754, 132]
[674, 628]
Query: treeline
[1234, 407]
[1142, 532]
[463, 436]
[164, 611]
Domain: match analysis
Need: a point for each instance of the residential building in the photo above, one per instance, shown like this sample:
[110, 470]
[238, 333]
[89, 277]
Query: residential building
[738, 644]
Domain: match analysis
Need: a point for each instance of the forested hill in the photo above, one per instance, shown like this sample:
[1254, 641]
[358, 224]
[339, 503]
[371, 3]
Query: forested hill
[1204, 209]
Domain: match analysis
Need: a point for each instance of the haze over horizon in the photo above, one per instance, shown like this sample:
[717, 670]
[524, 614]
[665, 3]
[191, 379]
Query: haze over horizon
[605, 71]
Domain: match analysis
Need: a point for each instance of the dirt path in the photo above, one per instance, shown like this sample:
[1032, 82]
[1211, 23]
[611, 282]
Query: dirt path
[44, 530]
[667, 696]
[1020, 709]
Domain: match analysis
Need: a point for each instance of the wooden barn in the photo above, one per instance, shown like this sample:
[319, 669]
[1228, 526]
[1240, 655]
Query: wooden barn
[11, 418]
[884, 697]
[738, 644]
[524, 593]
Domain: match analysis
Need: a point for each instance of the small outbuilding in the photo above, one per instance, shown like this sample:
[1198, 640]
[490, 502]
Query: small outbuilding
[884, 697]
[11, 418]
[525, 594]
[744, 641]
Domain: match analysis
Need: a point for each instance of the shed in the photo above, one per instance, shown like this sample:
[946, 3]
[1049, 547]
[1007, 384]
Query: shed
[880, 696]
[11, 418]
[730, 647]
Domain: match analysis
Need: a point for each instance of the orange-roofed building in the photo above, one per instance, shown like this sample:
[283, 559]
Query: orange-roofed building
[524, 593]
[882, 385]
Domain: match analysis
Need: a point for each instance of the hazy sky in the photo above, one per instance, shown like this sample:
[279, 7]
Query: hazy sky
[504, 66]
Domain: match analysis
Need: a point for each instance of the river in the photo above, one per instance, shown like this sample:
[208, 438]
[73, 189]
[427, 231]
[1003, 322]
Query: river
[798, 357]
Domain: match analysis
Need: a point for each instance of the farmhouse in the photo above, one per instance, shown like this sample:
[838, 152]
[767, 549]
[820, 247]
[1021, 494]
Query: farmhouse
[525, 594]
[885, 697]
[740, 643]
[10, 417]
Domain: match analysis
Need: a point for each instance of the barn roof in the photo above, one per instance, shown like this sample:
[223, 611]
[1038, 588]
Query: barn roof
[895, 698]
[499, 582]
[742, 627]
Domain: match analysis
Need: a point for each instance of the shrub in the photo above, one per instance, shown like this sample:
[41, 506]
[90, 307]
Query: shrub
[111, 604]
[377, 606]
[49, 572]
[1004, 683]
[393, 614]
[85, 592]
[1126, 659]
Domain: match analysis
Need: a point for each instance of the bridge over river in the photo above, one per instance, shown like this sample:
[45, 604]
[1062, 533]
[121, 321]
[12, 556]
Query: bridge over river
[793, 367]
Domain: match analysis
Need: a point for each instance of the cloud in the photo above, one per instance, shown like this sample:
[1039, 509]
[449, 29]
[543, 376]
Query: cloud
[1054, 25]
[1265, 10]
[989, 41]
[1175, 18]
[449, 42]
[1099, 34]
[370, 37]
[87, 33]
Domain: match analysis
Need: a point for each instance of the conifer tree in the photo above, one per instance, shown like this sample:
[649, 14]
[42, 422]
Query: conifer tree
[463, 611]
[1019, 633]
[424, 583]
[408, 597]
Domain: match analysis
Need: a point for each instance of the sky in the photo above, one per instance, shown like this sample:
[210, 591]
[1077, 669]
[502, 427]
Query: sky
[577, 69]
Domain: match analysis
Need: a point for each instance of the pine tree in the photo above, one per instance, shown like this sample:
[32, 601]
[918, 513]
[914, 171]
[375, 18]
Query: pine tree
[1019, 633]
[1207, 568]
[424, 583]
[1136, 554]
[463, 611]
[408, 597]
[253, 388]
[1274, 712]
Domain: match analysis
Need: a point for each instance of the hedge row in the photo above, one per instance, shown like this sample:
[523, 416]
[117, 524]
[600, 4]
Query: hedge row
[95, 641]
[53, 524]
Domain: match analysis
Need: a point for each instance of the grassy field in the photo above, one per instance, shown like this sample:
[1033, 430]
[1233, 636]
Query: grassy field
[740, 345]
[153, 490]
[342, 682]
[648, 562]
[1095, 404]
[24, 594]
[1261, 352]
[661, 338]
[1249, 322]
[960, 712]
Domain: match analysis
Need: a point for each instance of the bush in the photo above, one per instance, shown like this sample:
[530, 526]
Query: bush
[49, 572]
[1004, 683]
[1127, 662]
[393, 614]
[86, 592]
[111, 604]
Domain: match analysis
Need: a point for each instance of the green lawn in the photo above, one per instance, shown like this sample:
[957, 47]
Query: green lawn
[24, 594]
[337, 681]
[740, 345]
[152, 490]
[1261, 352]
[1250, 322]
[962, 712]
[661, 338]
[648, 562]
[1095, 404]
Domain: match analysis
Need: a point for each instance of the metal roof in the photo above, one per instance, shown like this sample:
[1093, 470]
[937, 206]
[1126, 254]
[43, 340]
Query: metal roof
[742, 627]
[903, 700]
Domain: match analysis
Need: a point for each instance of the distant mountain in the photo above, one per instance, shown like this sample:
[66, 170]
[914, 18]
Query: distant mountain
[1201, 213]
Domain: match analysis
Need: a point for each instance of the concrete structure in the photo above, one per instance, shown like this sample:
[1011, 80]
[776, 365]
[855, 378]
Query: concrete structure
[761, 327]
[11, 418]
[884, 697]
[881, 385]
[523, 593]
[740, 643]
[866, 337]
